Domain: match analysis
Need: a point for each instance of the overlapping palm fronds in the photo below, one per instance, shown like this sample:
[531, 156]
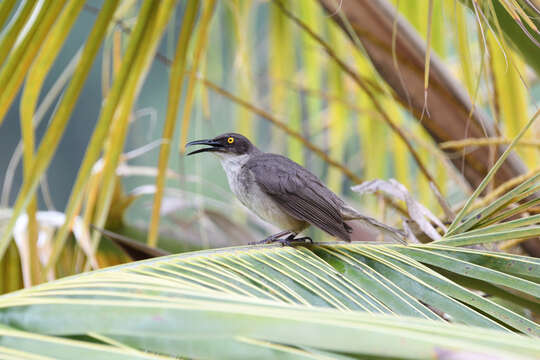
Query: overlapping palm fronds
[323, 301]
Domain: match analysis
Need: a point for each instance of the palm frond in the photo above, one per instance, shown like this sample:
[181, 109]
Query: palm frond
[330, 299]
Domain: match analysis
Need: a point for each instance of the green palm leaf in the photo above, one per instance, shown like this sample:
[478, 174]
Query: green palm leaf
[323, 301]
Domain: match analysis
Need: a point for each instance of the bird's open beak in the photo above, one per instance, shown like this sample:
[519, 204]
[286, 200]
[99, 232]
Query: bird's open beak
[214, 146]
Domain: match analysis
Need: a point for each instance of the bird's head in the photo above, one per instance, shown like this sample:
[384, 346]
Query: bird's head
[225, 144]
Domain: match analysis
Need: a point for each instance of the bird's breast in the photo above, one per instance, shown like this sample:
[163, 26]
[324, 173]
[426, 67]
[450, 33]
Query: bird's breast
[243, 185]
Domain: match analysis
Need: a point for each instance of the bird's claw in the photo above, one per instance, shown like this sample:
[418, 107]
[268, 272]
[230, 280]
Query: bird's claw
[285, 242]
[268, 240]
[288, 241]
[305, 239]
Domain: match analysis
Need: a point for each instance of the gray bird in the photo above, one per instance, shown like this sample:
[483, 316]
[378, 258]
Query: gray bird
[284, 193]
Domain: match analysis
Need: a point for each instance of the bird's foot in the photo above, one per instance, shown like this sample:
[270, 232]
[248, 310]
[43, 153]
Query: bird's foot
[270, 239]
[285, 241]
[289, 240]
[305, 239]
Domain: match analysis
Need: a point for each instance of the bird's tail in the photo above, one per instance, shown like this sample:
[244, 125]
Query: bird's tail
[373, 225]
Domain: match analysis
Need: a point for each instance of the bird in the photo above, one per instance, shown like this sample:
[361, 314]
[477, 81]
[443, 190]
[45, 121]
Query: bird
[284, 193]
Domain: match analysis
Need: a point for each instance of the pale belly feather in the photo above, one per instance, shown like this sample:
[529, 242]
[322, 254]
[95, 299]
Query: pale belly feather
[254, 198]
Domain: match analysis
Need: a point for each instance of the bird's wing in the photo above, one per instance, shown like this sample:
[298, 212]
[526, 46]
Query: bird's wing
[299, 193]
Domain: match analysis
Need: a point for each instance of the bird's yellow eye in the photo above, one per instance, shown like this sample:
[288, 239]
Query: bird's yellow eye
[230, 140]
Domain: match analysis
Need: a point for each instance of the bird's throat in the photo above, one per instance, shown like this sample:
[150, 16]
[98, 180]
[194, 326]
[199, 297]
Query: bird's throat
[232, 164]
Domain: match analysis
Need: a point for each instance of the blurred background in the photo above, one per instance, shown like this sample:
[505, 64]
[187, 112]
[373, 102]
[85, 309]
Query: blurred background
[341, 87]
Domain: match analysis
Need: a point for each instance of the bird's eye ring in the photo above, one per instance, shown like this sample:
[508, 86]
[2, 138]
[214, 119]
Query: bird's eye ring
[230, 140]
